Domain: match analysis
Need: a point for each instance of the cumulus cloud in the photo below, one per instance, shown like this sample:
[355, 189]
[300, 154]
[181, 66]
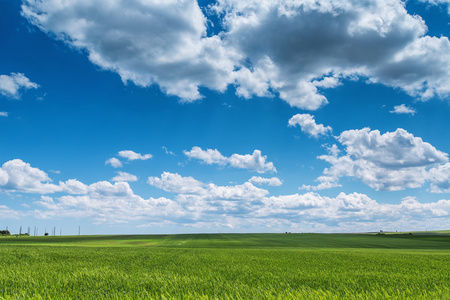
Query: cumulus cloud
[198, 197]
[176, 183]
[17, 175]
[201, 204]
[389, 161]
[325, 184]
[114, 162]
[403, 109]
[292, 49]
[131, 155]
[311, 45]
[145, 42]
[11, 85]
[274, 181]
[124, 176]
[354, 210]
[3, 114]
[440, 179]
[209, 156]
[106, 202]
[308, 125]
[73, 186]
[244, 206]
[255, 162]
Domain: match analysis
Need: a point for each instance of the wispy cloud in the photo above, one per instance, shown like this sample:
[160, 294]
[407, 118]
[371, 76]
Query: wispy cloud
[10, 85]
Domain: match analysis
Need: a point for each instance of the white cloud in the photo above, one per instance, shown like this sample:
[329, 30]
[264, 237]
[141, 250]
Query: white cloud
[354, 208]
[293, 49]
[201, 205]
[390, 161]
[123, 176]
[438, 2]
[3, 114]
[208, 156]
[255, 162]
[131, 155]
[145, 42]
[308, 125]
[10, 85]
[175, 183]
[325, 185]
[114, 162]
[274, 181]
[167, 151]
[73, 186]
[16, 175]
[245, 191]
[7, 213]
[314, 44]
[392, 149]
[403, 109]
[111, 203]
[440, 179]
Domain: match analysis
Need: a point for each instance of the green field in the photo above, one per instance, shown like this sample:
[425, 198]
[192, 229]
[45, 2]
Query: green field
[226, 266]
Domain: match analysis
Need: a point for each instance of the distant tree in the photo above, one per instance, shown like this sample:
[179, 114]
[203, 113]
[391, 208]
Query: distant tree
[46, 234]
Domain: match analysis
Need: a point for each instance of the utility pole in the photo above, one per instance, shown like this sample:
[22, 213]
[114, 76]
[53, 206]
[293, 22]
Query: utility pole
[20, 231]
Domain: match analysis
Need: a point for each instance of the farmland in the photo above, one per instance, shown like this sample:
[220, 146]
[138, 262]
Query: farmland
[209, 266]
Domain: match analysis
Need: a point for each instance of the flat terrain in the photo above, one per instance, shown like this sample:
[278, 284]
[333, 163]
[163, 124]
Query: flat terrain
[221, 266]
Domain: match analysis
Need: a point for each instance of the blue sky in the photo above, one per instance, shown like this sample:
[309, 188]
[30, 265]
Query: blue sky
[227, 116]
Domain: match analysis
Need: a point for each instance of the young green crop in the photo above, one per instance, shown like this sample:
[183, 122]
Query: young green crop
[225, 267]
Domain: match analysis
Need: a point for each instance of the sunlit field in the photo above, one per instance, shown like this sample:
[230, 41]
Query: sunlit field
[225, 266]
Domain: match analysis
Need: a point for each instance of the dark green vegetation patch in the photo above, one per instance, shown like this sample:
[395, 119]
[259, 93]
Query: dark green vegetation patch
[255, 266]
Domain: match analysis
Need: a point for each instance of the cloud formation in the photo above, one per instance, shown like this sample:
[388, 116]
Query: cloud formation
[127, 154]
[389, 161]
[254, 162]
[292, 49]
[175, 183]
[274, 181]
[131, 155]
[197, 204]
[114, 162]
[106, 202]
[403, 109]
[201, 205]
[438, 2]
[308, 125]
[11, 85]
[124, 176]
[145, 42]
[18, 176]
